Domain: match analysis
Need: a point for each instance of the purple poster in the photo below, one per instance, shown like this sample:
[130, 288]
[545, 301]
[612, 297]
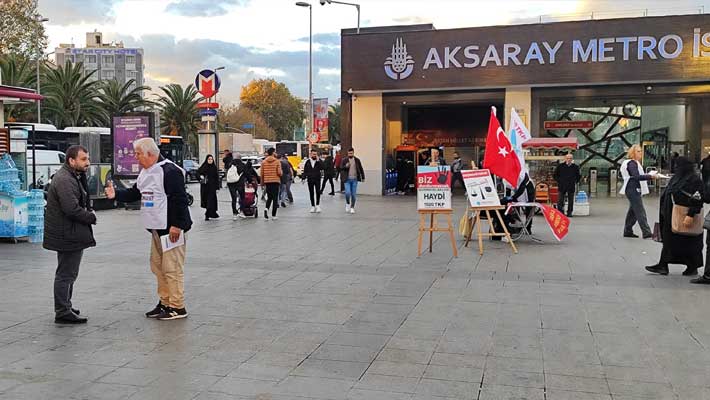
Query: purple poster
[126, 129]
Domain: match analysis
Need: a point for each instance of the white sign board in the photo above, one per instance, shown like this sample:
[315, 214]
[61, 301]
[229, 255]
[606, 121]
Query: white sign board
[433, 188]
[480, 189]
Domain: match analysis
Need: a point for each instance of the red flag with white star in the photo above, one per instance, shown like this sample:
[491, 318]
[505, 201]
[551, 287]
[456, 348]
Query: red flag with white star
[500, 157]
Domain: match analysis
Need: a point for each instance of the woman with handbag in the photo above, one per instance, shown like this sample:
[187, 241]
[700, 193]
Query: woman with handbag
[209, 185]
[681, 221]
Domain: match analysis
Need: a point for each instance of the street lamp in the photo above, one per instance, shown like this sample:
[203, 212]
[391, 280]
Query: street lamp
[309, 129]
[39, 56]
[216, 123]
[323, 2]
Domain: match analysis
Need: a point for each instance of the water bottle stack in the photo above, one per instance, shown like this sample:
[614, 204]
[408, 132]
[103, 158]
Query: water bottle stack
[581, 204]
[35, 211]
[9, 175]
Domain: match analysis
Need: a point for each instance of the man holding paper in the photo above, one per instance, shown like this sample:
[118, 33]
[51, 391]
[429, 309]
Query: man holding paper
[165, 214]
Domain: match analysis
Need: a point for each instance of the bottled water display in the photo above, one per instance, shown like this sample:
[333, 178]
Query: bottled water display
[21, 213]
[35, 215]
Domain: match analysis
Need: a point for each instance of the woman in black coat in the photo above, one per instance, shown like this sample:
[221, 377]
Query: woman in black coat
[209, 185]
[684, 189]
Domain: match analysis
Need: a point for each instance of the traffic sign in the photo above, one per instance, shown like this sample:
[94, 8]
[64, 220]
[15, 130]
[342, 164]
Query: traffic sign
[208, 111]
[208, 118]
[207, 105]
[248, 126]
[207, 83]
[313, 137]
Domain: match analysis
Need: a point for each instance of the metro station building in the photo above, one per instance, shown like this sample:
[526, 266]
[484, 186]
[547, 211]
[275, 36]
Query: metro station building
[616, 82]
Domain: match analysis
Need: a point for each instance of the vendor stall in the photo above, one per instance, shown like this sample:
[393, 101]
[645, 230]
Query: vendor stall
[542, 156]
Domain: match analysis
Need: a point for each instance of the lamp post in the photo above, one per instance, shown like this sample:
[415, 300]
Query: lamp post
[216, 125]
[39, 56]
[309, 128]
[357, 6]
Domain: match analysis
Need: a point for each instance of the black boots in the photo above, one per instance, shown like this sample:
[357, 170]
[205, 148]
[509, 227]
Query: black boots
[658, 269]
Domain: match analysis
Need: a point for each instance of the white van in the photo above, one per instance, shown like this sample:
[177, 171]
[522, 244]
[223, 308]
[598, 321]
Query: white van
[47, 163]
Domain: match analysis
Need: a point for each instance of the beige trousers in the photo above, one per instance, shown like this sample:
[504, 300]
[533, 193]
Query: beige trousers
[168, 269]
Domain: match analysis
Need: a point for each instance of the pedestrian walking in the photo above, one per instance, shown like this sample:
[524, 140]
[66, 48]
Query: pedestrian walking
[312, 170]
[234, 177]
[351, 172]
[685, 189]
[165, 214]
[286, 179]
[634, 187]
[328, 174]
[210, 183]
[456, 167]
[271, 180]
[567, 176]
[67, 229]
[338, 162]
[227, 159]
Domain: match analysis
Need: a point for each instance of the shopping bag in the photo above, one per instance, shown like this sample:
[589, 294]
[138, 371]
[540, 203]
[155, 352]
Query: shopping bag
[465, 224]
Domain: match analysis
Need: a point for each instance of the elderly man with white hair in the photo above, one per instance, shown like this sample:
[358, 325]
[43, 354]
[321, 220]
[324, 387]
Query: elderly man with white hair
[165, 214]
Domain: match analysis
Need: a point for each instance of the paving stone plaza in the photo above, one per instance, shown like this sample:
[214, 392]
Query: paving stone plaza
[336, 306]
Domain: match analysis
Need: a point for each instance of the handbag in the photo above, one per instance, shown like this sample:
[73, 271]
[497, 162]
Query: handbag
[657, 236]
[678, 215]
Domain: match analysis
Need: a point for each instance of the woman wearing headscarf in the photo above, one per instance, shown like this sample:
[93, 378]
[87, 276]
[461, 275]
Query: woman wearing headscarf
[209, 184]
[684, 189]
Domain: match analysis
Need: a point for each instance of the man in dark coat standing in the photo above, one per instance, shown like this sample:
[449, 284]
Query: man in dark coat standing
[312, 170]
[567, 176]
[67, 229]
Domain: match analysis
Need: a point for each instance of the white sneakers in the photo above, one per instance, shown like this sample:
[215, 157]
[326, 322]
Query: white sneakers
[347, 208]
[313, 209]
[318, 209]
[234, 217]
[352, 210]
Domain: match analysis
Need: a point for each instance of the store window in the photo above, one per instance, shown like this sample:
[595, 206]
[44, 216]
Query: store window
[130, 59]
[108, 74]
[107, 60]
[91, 59]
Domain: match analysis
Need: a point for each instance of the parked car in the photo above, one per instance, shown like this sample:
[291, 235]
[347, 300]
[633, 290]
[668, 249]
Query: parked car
[255, 161]
[190, 167]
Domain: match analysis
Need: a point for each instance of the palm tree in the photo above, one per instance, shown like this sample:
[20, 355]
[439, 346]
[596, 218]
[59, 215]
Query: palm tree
[334, 123]
[116, 98]
[179, 114]
[71, 97]
[18, 71]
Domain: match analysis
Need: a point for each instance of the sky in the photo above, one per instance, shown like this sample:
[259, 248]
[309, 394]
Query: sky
[269, 38]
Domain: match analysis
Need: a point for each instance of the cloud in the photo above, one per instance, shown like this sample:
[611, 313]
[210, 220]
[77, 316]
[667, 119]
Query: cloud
[170, 60]
[326, 39]
[203, 8]
[72, 12]
[412, 20]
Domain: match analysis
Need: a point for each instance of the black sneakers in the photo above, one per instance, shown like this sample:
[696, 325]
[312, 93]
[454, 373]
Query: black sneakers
[154, 313]
[170, 313]
[70, 319]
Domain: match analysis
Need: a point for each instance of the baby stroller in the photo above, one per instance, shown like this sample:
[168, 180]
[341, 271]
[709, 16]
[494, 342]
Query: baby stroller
[249, 204]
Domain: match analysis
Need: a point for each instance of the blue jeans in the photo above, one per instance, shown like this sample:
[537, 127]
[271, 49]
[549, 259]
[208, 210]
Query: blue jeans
[283, 191]
[350, 191]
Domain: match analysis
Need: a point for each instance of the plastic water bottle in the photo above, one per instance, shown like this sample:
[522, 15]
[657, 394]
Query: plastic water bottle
[35, 217]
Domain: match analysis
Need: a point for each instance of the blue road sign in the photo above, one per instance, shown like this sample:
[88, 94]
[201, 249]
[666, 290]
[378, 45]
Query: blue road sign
[248, 126]
[208, 111]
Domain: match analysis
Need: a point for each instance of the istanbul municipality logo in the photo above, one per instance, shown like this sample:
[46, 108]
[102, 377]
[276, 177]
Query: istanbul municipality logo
[400, 64]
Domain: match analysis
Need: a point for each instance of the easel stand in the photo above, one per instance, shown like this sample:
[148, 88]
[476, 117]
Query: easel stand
[477, 222]
[431, 227]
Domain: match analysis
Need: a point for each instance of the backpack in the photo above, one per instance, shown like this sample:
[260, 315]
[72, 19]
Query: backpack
[232, 175]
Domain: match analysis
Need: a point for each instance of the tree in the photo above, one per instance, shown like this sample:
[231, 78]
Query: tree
[334, 123]
[21, 32]
[275, 104]
[178, 115]
[235, 117]
[116, 98]
[20, 72]
[70, 97]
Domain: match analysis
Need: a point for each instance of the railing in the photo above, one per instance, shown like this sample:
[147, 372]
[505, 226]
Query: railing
[596, 15]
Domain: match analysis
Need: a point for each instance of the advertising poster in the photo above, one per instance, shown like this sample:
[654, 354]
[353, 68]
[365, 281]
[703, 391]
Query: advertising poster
[320, 119]
[126, 129]
[480, 188]
[433, 188]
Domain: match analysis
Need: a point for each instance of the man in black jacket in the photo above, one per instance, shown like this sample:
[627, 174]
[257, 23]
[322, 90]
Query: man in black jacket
[567, 176]
[312, 170]
[164, 212]
[351, 172]
[328, 174]
[67, 229]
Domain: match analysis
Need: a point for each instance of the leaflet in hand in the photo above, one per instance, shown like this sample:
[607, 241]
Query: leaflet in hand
[167, 245]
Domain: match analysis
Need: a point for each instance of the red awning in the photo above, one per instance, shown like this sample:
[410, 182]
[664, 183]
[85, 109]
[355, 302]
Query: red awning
[552, 143]
[18, 93]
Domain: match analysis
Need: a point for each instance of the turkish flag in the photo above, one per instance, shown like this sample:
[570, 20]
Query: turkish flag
[500, 157]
